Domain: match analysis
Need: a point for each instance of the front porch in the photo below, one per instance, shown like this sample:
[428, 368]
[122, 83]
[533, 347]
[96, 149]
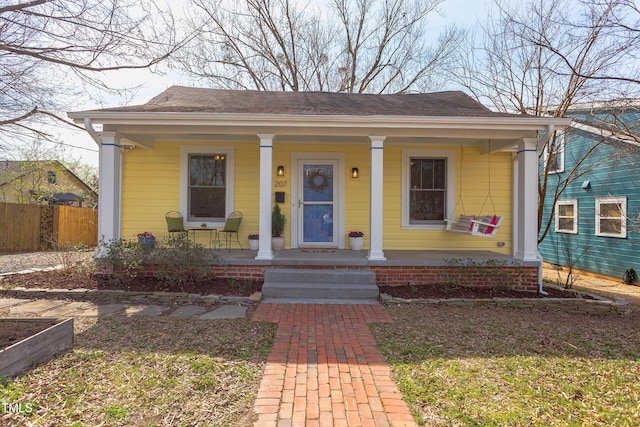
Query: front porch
[401, 267]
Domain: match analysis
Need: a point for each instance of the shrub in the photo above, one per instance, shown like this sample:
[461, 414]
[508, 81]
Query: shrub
[180, 260]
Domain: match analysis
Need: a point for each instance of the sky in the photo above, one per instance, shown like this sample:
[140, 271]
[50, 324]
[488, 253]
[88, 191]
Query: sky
[463, 13]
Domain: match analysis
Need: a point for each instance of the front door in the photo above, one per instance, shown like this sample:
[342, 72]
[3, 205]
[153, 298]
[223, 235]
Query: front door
[317, 205]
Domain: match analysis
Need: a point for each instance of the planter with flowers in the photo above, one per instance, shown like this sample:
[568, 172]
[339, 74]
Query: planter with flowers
[147, 240]
[254, 241]
[356, 240]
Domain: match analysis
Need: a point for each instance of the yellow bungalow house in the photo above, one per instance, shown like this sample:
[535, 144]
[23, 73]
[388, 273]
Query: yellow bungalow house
[396, 167]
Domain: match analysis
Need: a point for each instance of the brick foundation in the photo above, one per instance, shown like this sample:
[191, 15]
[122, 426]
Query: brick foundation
[509, 277]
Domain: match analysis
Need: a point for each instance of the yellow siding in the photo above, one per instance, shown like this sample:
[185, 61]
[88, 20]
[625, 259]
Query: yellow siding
[151, 188]
[474, 177]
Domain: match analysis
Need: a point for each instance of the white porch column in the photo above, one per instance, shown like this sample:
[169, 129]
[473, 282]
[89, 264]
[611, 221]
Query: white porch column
[526, 238]
[266, 161]
[110, 191]
[375, 206]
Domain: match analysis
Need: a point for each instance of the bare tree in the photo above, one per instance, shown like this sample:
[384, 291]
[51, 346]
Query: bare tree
[377, 46]
[545, 56]
[46, 44]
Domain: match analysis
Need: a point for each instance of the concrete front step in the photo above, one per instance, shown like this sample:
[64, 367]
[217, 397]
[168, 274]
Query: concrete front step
[321, 286]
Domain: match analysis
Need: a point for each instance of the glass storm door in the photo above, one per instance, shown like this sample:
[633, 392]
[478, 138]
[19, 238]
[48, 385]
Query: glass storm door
[316, 203]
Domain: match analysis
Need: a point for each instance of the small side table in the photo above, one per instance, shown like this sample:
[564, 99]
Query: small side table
[211, 231]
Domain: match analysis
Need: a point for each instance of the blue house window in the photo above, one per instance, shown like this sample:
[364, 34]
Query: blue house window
[611, 217]
[554, 153]
[567, 216]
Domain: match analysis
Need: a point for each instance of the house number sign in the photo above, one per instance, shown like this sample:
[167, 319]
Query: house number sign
[280, 184]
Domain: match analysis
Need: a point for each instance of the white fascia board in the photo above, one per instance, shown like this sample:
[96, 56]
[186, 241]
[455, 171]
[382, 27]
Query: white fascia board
[604, 133]
[304, 121]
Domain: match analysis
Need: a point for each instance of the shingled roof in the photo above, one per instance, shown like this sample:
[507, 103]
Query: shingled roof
[201, 100]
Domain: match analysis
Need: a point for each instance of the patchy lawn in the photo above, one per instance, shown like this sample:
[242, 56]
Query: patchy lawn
[146, 371]
[496, 367]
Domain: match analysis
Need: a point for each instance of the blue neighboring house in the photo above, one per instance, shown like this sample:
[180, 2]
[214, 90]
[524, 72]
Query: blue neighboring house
[596, 224]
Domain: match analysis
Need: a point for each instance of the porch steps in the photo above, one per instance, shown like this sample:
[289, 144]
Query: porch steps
[319, 286]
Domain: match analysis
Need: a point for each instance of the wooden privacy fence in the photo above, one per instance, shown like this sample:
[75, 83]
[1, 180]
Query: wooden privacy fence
[25, 228]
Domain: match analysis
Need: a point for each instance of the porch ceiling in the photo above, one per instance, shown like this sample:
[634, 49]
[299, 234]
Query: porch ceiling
[503, 132]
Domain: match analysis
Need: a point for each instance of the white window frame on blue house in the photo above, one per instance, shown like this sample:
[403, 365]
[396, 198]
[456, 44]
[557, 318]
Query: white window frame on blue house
[559, 216]
[559, 150]
[621, 202]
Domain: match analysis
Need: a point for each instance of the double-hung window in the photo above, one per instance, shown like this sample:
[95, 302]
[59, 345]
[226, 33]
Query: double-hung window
[427, 182]
[611, 217]
[206, 194]
[567, 216]
[554, 153]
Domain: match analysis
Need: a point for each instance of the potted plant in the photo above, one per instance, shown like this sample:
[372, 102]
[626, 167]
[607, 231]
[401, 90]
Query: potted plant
[254, 241]
[203, 225]
[147, 240]
[356, 240]
[278, 222]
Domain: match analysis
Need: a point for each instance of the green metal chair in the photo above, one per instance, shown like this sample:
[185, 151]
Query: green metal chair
[231, 226]
[175, 222]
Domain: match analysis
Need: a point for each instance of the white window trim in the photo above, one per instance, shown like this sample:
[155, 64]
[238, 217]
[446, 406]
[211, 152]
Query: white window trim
[559, 203]
[560, 142]
[623, 223]
[450, 155]
[185, 151]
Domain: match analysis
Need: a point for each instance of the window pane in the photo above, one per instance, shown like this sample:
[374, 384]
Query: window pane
[612, 226]
[566, 224]
[318, 183]
[416, 173]
[427, 205]
[610, 210]
[427, 174]
[207, 170]
[565, 210]
[318, 223]
[439, 173]
[207, 203]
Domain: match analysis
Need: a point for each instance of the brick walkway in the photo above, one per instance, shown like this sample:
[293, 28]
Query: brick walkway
[325, 369]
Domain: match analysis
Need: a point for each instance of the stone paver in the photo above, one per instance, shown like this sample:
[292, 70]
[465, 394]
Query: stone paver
[188, 311]
[145, 310]
[226, 312]
[37, 306]
[69, 309]
[102, 310]
[325, 369]
[8, 302]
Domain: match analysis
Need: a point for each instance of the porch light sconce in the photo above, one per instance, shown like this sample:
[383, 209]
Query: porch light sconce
[280, 171]
[355, 173]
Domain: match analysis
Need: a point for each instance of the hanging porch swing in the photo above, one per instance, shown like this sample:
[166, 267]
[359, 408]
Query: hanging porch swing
[475, 225]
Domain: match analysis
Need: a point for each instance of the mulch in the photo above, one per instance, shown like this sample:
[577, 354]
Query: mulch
[58, 279]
